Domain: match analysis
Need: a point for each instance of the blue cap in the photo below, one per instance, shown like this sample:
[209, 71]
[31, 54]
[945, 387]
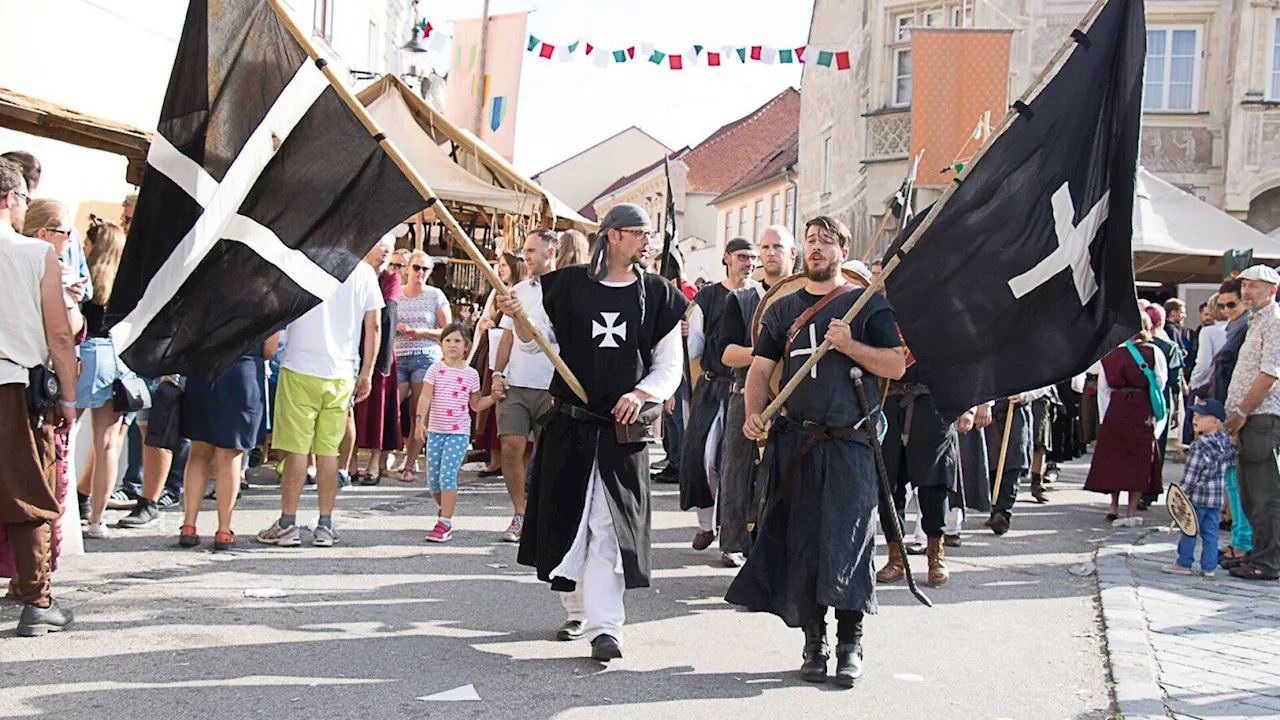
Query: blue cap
[1210, 407]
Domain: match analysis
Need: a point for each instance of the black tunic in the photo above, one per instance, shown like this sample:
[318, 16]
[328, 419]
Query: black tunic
[923, 453]
[815, 544]
[738, 459]
[709, 400]
[607, 341]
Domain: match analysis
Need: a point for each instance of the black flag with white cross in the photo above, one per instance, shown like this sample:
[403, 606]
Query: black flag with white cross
[262, 193]
[1025, 277]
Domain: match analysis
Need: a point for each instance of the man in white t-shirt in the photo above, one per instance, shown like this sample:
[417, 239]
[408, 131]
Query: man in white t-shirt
[318, 374]
[528, 372]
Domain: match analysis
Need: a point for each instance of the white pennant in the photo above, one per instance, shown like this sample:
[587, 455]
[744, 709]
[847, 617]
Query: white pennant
[768, 55]
[438, 41]
[690, 58]
[602, 58]
[729, 54]
[564, 54]
[646, 50]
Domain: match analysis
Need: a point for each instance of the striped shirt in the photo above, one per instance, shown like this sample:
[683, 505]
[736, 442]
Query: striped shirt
[451, 390]
[420, 313]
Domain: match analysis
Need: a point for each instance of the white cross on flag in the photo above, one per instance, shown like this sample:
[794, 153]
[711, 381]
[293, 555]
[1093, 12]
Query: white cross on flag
[1025, 276]
[263, 191]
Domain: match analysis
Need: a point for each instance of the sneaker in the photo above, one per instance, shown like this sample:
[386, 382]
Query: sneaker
[168, 498]
[144, 513]
[283, 537]
[97, 531]
[1208, 573]
[440, 533]
[733, 560]
[120, 500]
[344, 479]
[38, 621]
[514, 530]
[570, 630]
[323, 536]
[1176, 569]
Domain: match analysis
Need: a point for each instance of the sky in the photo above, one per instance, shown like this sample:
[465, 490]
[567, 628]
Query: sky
[112, 58]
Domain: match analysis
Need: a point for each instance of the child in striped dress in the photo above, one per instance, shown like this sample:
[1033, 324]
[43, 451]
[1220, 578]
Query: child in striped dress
[450, 389]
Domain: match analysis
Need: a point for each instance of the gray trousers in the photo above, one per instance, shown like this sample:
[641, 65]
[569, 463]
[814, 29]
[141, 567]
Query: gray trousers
[737, 473]
[1259, 470]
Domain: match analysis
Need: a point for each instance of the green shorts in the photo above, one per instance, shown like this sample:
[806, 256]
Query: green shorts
[311, 413]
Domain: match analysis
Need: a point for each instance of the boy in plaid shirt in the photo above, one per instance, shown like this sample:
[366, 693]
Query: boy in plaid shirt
[1204, 482]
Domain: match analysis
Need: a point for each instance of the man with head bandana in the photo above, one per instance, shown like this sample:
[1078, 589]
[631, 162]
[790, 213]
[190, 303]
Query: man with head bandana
[587, 517]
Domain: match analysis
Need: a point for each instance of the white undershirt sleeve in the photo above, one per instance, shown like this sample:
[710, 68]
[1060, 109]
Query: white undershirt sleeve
[697, 336]
[668, 357]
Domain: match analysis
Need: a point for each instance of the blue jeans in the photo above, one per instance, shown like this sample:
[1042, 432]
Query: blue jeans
[132, 480]
[1241, 530]
[1208, 520]
[673, 429]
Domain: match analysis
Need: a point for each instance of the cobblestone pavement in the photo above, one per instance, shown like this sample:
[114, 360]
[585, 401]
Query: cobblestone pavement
[1186, 646]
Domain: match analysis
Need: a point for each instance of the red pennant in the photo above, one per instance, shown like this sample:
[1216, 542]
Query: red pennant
[547, 50]
[800, 53]
[677, 62]
[756, 51]
[631, 52]
[842, 60]
[426, 32]
[713, 59]
[590, 48]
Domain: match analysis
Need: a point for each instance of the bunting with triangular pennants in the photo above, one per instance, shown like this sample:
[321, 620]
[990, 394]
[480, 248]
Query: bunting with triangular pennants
[694, 56]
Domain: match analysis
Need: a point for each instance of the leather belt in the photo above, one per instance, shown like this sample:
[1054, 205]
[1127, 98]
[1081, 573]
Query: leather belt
[712, 377]
[817, 433]
[582, 414]
[910, 392]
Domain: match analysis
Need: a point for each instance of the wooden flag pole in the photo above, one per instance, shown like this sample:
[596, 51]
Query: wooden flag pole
[878, 281]
[888, 212]
[1004, 451]
[433, 201]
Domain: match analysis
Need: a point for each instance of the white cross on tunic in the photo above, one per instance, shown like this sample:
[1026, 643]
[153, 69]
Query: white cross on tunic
[1073, 248]
[609, 329]
[813, 346]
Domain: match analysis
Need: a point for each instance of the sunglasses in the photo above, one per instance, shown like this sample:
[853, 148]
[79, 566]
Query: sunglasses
[420, 268]
[60, 231]
[397, 266]
[1229, 305]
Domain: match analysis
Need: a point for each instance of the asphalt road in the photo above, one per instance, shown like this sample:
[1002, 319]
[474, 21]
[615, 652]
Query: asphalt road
[364, 629]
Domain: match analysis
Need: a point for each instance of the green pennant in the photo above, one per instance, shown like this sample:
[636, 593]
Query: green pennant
[959, 168]
[742, 54]
[573, 46]
[657, 57]
[533, 43]
[825, 57]
[697, 49]
[619, 56]
[786, 57]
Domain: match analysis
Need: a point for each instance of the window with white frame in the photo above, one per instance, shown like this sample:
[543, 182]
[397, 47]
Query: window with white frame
[962, 15]
[1173, 69]
[323, 19]
[759, 220]
[372, 49]
[826, 165]
[728, 226]
[902, 77]
[742, 221]
[791, 207]
[1275, 60]
[775, 209]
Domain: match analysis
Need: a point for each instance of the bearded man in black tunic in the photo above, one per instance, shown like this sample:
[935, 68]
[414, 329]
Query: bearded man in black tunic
[588, 516]
[700, 457]
[816, 538]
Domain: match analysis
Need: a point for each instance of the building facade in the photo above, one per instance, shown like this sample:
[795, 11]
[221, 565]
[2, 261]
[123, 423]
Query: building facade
[579, 179]
[1211, 121]
[763, 197]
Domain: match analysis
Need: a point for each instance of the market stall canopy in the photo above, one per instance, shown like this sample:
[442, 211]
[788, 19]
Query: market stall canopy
[417, 125]
[44, 119]
[1178, 238]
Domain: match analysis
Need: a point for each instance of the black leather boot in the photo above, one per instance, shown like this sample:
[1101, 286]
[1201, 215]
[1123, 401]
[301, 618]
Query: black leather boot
[848, 663]
[816, 652]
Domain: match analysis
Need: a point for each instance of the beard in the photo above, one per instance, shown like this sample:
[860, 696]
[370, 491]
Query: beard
[820, 274]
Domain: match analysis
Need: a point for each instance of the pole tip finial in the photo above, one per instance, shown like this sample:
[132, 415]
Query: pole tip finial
[855, 373]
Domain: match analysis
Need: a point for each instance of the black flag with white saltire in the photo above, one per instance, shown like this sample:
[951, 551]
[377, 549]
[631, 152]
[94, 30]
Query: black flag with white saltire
[672, 266]
[262, 193]
[1025, 277]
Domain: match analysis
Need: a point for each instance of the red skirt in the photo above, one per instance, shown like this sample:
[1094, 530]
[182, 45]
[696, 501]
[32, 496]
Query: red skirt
[1126, 458]
[378, 416]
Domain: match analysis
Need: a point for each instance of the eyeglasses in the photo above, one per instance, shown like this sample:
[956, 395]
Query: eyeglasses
[397, 266]
[420, 268]
[640, 233]
[60, 231]
[1229, 305]
[22, 196]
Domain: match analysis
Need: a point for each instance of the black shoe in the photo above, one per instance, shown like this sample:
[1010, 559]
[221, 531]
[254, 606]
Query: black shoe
[84, 508]
[848, 663]
[951, 540]
[605, 648]
[570, 630]
[40, 621]
[668, 476]
[1225, 526]
[999, 524]
[144, 513]
[816, 653]
[168, 498]
[487, 473]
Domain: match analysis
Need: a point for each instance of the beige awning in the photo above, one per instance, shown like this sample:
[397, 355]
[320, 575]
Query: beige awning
[44, 119]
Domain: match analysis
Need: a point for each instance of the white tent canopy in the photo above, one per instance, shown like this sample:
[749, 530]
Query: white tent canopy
[447, 179]
[1179, 238]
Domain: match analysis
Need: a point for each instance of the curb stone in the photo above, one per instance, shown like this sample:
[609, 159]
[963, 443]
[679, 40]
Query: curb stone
[1134, 671]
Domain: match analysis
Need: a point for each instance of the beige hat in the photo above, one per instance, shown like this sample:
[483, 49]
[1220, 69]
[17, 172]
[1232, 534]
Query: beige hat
[1261, 273]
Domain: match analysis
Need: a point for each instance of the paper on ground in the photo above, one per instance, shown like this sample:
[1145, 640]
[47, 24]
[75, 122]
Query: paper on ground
[466, 692]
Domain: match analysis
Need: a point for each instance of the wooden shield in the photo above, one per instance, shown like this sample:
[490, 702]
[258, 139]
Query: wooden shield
[786, 287]
[1182, 512]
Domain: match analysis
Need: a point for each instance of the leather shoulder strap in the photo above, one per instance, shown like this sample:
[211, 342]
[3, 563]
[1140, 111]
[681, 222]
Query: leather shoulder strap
[807, 315]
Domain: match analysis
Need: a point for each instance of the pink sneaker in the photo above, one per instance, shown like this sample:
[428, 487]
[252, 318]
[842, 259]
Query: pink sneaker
[514, 530]
[440, 533]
